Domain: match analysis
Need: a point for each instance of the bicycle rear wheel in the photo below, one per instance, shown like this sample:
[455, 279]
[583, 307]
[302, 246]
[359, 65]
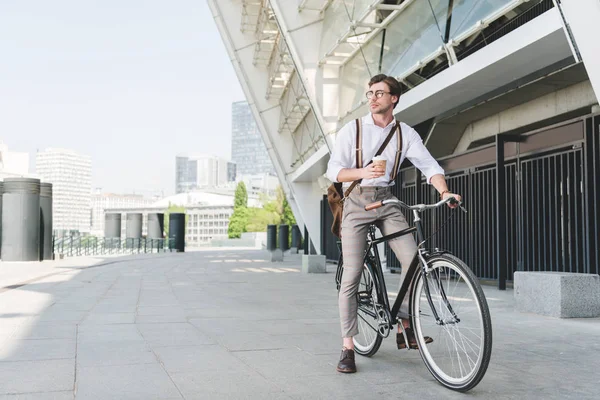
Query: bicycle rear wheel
[368, 340]
[460, 353]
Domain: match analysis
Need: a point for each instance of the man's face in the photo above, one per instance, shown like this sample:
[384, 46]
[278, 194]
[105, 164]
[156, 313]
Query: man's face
[383, 104]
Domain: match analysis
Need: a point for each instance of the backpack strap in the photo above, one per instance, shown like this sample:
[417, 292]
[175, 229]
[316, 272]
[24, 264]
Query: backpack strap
[359, 158]
[398, 152]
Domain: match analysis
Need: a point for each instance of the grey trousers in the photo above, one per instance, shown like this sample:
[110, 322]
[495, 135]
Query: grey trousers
[355, 224]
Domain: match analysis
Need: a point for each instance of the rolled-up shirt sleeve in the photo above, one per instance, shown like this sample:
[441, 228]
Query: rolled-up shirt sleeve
[341, 155]
[418, 154]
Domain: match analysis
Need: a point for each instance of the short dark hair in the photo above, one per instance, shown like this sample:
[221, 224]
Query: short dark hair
[393, 84]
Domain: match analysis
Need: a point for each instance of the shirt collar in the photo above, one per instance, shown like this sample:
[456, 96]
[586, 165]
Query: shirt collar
[368, 120]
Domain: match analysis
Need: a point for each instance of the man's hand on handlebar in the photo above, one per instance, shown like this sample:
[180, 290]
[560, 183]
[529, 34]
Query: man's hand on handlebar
[452, 203]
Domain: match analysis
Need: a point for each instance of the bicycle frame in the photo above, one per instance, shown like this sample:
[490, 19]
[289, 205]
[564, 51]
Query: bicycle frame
[394, 313]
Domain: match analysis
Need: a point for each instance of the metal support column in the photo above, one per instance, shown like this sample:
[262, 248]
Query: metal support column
[501, 212]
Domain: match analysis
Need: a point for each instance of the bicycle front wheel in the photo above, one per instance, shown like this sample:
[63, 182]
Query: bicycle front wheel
[461, 349]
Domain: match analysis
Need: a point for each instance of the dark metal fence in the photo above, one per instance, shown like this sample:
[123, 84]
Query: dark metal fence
[551, 213]
[71, 246]
[551, 206]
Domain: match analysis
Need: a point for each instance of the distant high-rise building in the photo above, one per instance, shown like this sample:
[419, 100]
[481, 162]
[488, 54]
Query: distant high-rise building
[248, 150]
[199, 171]
[71, 176]
[231, 171]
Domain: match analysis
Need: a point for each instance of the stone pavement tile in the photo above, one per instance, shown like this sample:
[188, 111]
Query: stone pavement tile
[101, 318]
[108, 333]
[37, 376]
[199, 359]
[114, 353]
[40, 396]
[115, 306]
[313, 343]
[41, 349]
[173, 334]
[285, 363]
[223, 385]
[76, 304]
[295, 326]
[141, 381]
[340, 386]
[235, 341]
[159, 310]
[148, 299]
[154, 319]
[213, 311]
[24, 301]
[55, 314]
[224, 326]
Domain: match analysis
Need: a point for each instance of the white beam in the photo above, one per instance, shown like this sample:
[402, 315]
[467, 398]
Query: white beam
[582, 17]
[298, 66]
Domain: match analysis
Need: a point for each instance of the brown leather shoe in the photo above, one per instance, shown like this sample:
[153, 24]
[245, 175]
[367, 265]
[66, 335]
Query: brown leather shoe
[412, 341]
[347, 364]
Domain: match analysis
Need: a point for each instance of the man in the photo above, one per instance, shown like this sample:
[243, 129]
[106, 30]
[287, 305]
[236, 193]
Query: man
[383, 94]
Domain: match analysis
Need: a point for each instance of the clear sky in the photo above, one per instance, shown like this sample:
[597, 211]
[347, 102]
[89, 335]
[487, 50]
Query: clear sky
[130, 83]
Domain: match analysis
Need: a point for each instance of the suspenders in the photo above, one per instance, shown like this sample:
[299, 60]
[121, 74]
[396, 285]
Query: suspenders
[359, 157]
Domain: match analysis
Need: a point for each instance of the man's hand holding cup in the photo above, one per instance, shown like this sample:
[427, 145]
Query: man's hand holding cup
[376, 169]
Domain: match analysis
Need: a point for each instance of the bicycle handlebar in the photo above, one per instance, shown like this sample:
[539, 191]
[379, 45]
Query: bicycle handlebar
[416, 207]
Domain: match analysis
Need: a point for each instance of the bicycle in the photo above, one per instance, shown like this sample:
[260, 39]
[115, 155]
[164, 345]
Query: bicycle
[443, 294]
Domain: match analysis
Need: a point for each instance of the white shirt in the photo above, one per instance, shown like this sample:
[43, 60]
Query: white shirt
[344, 151]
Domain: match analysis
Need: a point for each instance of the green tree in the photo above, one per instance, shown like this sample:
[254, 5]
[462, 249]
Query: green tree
[239, 219]
[287, 216]
[241, 196]
[273, 212]
[237, 223]
[259, 218]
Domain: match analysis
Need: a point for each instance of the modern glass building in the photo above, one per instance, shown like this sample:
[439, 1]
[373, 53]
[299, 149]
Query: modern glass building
[503, 92]
[247, 146]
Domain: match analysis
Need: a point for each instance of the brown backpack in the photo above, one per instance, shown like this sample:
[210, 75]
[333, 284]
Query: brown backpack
[335, 195]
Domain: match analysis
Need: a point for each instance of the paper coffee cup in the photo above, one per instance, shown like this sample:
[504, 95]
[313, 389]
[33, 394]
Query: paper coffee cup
[379, 162]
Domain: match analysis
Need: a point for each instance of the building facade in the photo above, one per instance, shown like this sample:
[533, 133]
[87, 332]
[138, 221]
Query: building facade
[248, 149]
[103, 201]
[71, 176]
[496, 89]
[198, 171]
[13, 164]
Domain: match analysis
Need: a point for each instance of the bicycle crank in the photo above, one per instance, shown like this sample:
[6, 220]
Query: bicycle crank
[384, 324]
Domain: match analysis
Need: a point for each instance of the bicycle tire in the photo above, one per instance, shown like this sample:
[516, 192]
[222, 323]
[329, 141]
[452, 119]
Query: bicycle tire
[451, 325]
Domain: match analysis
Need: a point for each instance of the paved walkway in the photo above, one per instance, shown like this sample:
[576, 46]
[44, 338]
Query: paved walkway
[232, 325]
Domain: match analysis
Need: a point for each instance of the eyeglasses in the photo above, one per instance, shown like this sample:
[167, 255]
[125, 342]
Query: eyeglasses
[379, 94]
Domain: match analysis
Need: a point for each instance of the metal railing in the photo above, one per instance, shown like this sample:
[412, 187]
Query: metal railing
[487, 38]
[73, 246]
[520, 20]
